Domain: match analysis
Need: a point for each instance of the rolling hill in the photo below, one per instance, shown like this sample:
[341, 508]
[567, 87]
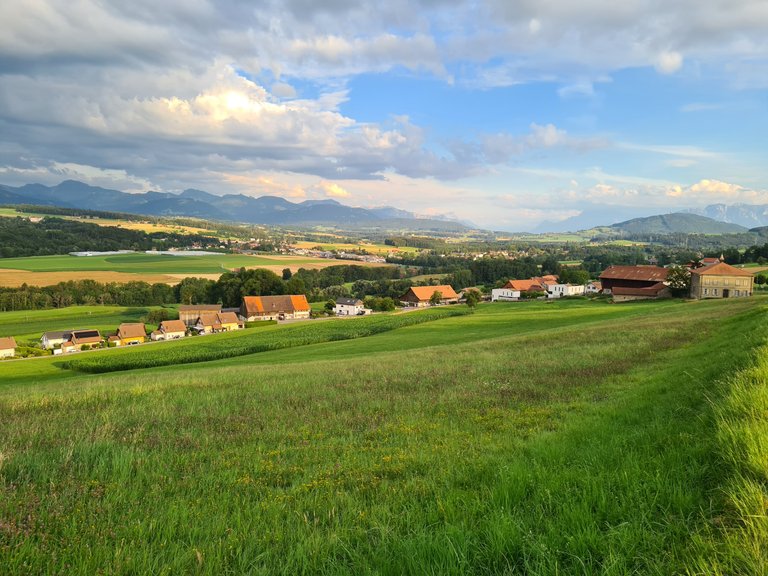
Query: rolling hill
[677, 223]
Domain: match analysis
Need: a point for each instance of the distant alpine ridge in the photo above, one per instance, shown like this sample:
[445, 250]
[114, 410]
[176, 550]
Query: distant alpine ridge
[270, 210]
[746, 216]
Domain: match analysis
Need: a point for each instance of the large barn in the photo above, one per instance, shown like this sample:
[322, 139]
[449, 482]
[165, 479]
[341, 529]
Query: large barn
[274, 307]
[626, 283]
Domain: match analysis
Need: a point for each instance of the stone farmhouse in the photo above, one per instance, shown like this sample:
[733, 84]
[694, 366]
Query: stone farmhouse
[274, 307]
[420, 296]
[721, 280]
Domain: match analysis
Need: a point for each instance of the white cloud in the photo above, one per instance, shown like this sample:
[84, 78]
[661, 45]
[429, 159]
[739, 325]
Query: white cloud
[669, 62]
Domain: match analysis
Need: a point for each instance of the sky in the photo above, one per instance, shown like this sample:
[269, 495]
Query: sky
[506, 113]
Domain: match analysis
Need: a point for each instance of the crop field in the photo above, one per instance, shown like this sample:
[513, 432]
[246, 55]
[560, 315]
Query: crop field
[127, 224]
[48, 270]
[571, 437]
[378, 249]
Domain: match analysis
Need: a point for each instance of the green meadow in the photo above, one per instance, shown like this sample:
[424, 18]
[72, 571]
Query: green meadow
[141, 263]
[27, 326]
[572, 437]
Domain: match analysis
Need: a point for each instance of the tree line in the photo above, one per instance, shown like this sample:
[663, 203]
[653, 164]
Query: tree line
[228, 290]
[19, 237]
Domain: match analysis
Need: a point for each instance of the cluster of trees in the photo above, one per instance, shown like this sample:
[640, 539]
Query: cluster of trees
[20, 237]
[86, 292]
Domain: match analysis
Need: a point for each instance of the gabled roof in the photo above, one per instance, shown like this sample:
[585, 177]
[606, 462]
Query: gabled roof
[425, 292]
[7, 343]
[57, 335]
[208, 320]
[348, 302]
[642, 273]
[85, 337]
[720, 269]
[172, 326]
[530, 285]
[131, 330]
[255, 305]
[228, 318]
[647, 291]
[200, 308]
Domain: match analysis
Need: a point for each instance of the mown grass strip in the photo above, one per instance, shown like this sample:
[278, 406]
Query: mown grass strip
[204, 350]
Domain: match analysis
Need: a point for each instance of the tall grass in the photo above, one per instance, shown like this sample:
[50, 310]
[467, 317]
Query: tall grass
[736, 539]
[590, 453]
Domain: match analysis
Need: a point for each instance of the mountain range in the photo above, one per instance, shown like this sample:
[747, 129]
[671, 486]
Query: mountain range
[270, 210]
[746, 215]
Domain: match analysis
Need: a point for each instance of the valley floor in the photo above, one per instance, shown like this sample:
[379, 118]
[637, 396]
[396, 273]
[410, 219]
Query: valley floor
[538, 438]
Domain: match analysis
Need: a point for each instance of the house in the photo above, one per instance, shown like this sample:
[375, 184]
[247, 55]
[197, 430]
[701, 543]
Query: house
[75, 339]
[169, 330]
[562, 290]
[420, 296]
[80, 338]
[274, 307]
[50, 340]
[653, 292]
[593, 287]
[218, 322]
[7, 347]
[189, 313]
[131, 333]
[721, 280]
[505, 294]
[350, 307]
[631, 277]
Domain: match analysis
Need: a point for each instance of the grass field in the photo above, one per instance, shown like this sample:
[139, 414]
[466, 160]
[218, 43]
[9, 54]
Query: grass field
[28, 326]
[48, 270]
[543, 438]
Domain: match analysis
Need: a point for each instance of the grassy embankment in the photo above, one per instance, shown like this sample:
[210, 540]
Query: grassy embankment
[589, 445]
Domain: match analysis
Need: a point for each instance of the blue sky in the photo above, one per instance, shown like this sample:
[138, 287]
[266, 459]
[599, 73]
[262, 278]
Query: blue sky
[508, 114]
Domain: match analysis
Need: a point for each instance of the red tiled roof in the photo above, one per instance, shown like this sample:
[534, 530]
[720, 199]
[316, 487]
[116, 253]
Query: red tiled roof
[642, 273]
[255, 305]
[173, 326]
[7, 343]
[532, 285]
[720, 269]
[228, 318]
[131, 330]
[425, 292]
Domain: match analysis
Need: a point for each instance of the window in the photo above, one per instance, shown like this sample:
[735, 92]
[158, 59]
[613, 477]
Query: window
[706, 291]
[714, 291]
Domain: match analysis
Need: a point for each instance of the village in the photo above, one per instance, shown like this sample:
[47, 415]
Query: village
[709, 278]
